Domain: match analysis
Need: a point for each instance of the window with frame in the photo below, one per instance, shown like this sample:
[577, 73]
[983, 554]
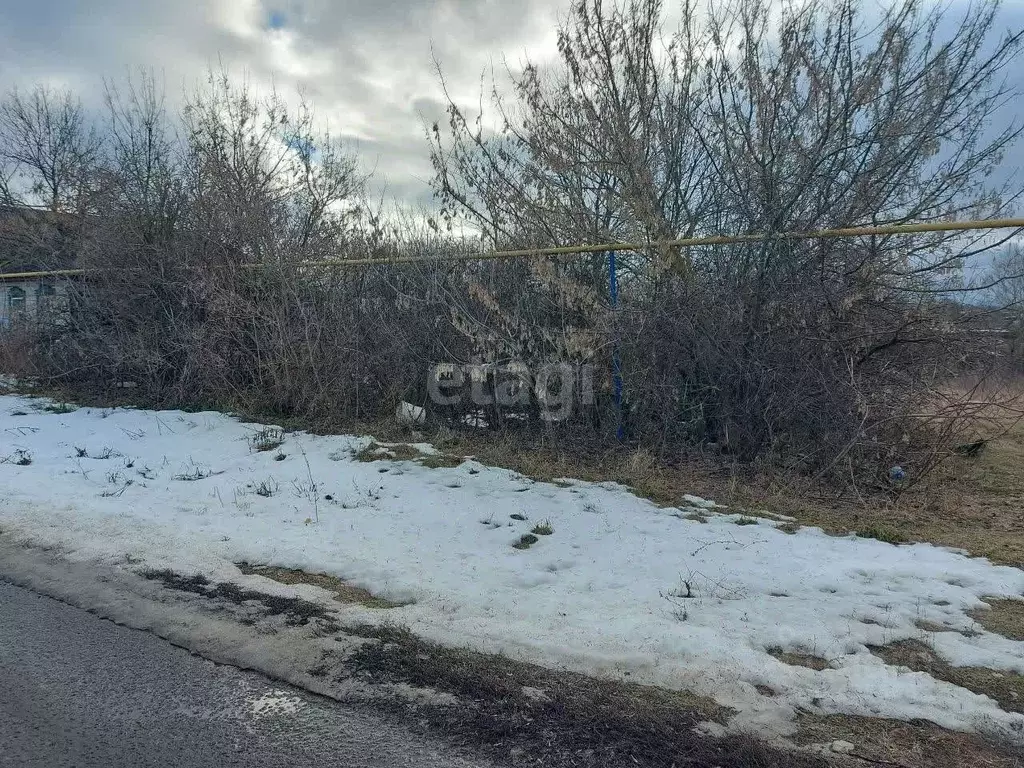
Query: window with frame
[45, 294]
[15, 301]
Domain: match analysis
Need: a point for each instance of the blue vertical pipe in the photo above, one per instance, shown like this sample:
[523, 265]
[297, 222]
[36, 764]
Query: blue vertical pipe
[613, 291]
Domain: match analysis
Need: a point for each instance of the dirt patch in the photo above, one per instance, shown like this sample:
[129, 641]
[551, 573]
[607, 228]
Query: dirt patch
[931, 626]
[537, 716]
[296, 612]
[394, 452]
[1004, 617]
[799, 659]
[1007, 688]
[914, 744]
[405, 452]
[343, 592]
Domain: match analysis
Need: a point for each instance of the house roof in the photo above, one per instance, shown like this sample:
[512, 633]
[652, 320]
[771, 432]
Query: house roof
[35, 240]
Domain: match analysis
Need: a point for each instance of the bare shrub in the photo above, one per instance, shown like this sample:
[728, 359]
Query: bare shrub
[198, 287]
[18, 351]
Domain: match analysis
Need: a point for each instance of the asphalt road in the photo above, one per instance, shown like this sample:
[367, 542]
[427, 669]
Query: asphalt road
[76, 690]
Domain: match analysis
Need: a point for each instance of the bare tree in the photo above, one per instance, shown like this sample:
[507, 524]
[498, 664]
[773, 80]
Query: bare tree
[141, 179]
[47, 149]
[274, 181]
[47, 152]
[602, 149]
[1004, 281]
[748, 119]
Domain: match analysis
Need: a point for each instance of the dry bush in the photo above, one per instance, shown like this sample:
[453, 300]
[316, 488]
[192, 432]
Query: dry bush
[18, 351]
[196, 290]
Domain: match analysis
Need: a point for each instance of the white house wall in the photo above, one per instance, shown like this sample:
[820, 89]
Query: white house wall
[32, 290]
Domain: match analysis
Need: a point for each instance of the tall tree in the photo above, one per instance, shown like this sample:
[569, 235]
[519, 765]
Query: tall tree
[47, 149]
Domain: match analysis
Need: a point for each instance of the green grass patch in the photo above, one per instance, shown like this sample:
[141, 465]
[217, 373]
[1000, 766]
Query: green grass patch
[397, 452]
[60, 408]
[525, 541]
[440, 461]
[405, 452]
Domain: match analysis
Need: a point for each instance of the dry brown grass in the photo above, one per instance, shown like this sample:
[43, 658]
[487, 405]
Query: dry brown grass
[1007, 688]
[916, 744]
[799, 659]
[343, 592]
[639, 469]
[931, 626]
[1004, 617]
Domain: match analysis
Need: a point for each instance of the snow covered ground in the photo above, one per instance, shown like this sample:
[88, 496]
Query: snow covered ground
[620, 588]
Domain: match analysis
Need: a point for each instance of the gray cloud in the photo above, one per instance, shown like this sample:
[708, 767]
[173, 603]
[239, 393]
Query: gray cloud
[367, 67]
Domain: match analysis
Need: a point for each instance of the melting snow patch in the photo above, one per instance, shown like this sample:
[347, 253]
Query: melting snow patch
[621, 587]
[274, 703]
[697, 501]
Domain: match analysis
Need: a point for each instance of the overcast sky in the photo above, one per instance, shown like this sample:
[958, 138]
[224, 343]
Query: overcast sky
[365, 65]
